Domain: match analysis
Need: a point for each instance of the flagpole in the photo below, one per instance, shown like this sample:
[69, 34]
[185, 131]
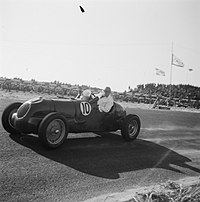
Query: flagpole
[171, 70]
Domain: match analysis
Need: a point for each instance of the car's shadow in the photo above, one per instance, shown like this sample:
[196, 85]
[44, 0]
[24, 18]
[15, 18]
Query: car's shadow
[107, 155]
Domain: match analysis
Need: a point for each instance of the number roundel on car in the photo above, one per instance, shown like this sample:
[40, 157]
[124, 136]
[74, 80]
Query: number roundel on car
[85, 108]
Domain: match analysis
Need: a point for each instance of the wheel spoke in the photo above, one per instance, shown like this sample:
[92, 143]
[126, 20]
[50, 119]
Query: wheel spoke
[55, 131]
[133, 127]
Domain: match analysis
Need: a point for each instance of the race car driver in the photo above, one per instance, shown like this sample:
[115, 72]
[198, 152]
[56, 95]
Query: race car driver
[105, 101]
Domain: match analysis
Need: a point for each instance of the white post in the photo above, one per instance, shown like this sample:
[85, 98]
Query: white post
[187, 76]
[188, 73]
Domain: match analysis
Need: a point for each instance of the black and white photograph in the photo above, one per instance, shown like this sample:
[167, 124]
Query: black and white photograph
[100, 100]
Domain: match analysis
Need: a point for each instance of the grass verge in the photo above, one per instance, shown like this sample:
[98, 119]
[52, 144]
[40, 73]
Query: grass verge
[170, 192]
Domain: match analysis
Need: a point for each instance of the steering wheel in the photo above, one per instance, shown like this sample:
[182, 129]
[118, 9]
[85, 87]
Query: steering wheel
[94, 99]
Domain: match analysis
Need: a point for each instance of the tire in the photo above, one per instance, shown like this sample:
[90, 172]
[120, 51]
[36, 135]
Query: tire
[7, 115]
[130, 127]
[53, 130]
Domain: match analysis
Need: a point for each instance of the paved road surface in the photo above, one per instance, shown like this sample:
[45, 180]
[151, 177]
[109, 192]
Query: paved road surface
[89, 165]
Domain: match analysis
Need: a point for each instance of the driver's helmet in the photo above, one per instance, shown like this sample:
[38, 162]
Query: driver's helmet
[86, 95]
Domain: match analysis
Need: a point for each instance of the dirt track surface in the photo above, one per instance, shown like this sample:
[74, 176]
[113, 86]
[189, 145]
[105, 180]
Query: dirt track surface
[89, 165]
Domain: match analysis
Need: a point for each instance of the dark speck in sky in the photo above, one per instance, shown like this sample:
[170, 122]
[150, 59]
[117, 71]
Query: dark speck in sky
[82, 10]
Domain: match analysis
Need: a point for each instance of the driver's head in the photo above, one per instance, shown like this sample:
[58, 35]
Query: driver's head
[107, 91]
[86, 95]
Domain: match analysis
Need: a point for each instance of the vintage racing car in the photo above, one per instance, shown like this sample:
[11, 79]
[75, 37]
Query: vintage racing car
[53, 119]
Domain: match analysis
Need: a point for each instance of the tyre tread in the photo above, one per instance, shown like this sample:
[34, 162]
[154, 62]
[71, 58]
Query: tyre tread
[5, 115]
[124, 130]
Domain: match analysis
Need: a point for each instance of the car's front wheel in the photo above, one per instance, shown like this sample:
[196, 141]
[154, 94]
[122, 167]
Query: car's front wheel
[53, 130]
[130, 127]
[7, 120]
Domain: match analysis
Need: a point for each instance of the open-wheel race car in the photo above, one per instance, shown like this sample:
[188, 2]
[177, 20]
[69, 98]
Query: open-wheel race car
[53, 119]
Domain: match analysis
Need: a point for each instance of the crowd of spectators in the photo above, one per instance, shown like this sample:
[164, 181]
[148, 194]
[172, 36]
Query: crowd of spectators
[174, 91]
[170, 95]
[51, 88]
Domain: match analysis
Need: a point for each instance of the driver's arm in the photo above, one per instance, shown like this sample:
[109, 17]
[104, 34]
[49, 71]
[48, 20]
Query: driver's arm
[101, 94]
[95, 99]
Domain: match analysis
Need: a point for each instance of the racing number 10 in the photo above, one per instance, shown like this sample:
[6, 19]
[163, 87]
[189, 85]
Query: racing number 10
[85, 108]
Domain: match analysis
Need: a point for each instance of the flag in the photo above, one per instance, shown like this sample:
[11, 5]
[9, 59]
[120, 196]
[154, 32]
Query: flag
[160, 72]
[176, 61]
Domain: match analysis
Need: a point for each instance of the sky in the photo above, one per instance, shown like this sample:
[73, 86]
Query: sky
[116, 43]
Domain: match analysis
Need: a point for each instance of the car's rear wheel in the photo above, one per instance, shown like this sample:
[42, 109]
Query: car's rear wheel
[6, 119]
[131, 127]
[53, 130]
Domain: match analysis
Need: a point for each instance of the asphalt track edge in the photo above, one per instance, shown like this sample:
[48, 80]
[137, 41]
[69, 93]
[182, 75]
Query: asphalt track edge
[129, 194]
